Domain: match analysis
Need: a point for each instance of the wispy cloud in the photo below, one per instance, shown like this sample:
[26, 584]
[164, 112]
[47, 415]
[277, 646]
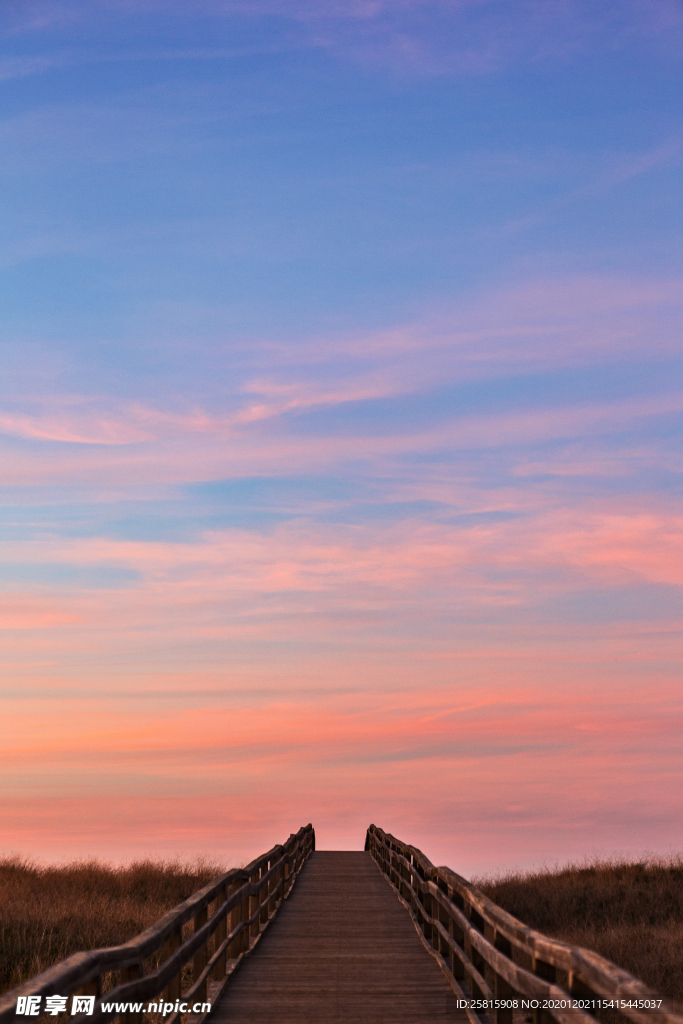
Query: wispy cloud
[537, 326]
[20, 67]
[340, 426]
[511, 756]
[470, 37]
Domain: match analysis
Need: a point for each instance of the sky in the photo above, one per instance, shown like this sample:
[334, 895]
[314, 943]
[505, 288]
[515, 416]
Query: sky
[340, 427]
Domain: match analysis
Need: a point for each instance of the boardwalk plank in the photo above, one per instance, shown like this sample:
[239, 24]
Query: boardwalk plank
[341, 949]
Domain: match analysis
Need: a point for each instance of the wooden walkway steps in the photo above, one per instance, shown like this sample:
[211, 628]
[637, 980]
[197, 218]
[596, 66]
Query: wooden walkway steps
[342, 949]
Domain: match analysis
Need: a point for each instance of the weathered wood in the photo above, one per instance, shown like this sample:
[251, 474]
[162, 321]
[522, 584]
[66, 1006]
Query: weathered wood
[254, 904]
[339, 952]
[132, 974]
[172, 944]
[82, 972]
[342, 949]
[473, 914]
[200, 957]
[221, 936]
[503, 989]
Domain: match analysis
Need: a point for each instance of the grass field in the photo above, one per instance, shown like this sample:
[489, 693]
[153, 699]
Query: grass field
[630, 913]
[46, 914]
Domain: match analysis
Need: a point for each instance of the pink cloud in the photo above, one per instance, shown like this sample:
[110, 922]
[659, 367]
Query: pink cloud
[17, 611]
[538, 325]
[90, 430]
[621, 548]
[256, 441]
[417, 587]
[87, 421]
[498, 767]
[313, 665]
[530, 327]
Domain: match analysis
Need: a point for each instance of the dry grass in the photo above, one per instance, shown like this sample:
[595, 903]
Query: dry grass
[46, 914]
[631, 913]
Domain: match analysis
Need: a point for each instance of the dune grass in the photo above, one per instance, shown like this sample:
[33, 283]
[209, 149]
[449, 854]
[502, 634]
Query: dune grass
[630, 913]
[48, 913]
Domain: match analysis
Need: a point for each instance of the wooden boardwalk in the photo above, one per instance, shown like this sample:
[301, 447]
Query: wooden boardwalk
[300, 937]
[342, 949]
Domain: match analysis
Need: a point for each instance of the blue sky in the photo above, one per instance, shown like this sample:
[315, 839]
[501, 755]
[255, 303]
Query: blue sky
[341, 381]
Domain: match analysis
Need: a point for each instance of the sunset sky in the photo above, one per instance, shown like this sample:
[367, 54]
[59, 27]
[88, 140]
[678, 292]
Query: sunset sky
[341, 426]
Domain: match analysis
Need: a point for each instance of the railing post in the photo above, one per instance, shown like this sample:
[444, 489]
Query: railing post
[548, 973]
[254, 927]
[445, 921]
[132, 973]
[427, 908]
[473, 956]
[221, 935]
[235, 947]
[172, 990]
[199, 959]
[457, 966]
[435, 915]
[421, 910]
[245, 933]
[502, 988]
[272, 886]
[263, 896]
[91, 988]
[578, 988]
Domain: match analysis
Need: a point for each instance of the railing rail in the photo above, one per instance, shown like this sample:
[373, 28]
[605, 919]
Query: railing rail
[228, 917]
[491, 957]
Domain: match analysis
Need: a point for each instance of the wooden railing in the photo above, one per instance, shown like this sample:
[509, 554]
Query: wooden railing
[193, 949]
[493, 961]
